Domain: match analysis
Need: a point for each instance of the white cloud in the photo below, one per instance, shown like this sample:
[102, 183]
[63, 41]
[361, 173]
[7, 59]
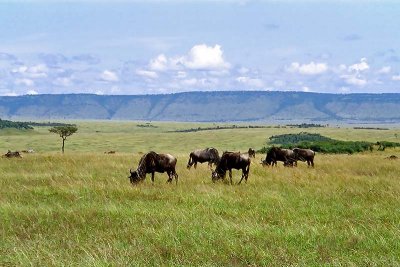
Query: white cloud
[147, 74]
[11, 94]
[206, 58]
[24, 81]
[36, 71]
[200, 57]
[250, 81]
[354, 80]
[63, 81]
[109, 76]
[190, 82]
[308, 69]
[385, 70]
[306, 89]
[359, 67]
[32, 92]
[160, 63]
[396, 77]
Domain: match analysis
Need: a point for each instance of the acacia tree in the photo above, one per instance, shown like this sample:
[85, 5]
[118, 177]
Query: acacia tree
[64, 132]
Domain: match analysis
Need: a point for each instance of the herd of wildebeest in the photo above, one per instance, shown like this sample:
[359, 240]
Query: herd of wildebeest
[152, 162]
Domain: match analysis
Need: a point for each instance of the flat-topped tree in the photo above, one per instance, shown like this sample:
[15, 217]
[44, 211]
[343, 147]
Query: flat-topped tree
[64, 132]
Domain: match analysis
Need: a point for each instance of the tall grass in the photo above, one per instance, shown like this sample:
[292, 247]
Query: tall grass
[79, 209]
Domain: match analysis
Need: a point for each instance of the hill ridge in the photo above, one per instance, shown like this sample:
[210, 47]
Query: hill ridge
[218, 106]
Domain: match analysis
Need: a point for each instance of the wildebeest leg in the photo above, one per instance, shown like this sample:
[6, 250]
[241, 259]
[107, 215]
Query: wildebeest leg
[152, 177]
[312, 163]
[247, 173]
[189, 165]
[176, 177]
[169, 176]
[243, 175]
[230, 175]
[195, 164]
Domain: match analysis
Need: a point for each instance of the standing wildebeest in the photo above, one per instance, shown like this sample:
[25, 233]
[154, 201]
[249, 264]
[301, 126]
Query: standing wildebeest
[10, 154]
[252, 153]
[276, 154]
[229, 161]
[304, 155]
[153, 162]
[209, 155]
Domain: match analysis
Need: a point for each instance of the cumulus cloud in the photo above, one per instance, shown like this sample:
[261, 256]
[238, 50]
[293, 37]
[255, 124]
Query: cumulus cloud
[359, 67]
[385, 70]
[206, 57]
[190, 82]
[311, 68]
[254, 82]
[35, 71]
[160, 63]
[109, 76]
[63, 81]
[32, 92]
[200, 57]
[147, 74]
[354, 80]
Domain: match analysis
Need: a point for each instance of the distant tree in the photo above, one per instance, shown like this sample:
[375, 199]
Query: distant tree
[64, 132]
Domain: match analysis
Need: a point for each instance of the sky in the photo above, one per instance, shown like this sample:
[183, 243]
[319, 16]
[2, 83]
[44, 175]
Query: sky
[152, 47]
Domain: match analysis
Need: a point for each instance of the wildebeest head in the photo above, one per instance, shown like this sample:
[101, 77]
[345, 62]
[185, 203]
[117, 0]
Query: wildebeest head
[216, 175]
[134, 176]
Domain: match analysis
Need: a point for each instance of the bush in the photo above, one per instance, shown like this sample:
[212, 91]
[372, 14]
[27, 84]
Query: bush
[317, 142]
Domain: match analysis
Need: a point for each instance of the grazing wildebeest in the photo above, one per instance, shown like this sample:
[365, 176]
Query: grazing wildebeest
[28, 151]
[153, 162]
[252, 153]
[229, 161]
[276, 154]
[392, 157]
[10, 154]
[110, 152]
[209, 155]
[304, 155]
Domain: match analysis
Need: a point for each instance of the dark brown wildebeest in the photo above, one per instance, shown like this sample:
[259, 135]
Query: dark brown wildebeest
[10, 154]
[209, 155]
[110, 152]
[153, 162]
[229, 161]
[276, 154]
[392, 157]
[252, 153]
[304, 155]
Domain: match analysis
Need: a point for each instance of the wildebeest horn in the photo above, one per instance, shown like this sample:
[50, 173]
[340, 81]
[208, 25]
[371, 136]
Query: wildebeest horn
[130, 170]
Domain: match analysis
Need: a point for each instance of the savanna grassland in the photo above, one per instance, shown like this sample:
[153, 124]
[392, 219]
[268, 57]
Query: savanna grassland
[79, 208]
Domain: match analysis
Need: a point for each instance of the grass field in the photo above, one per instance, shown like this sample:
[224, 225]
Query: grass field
[79, 208]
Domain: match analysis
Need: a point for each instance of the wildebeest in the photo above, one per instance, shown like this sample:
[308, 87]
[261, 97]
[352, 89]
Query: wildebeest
[252, 153]
[209, 155]
[110, 152]
[153, 162]
[11, 154]
[28, 151]
[276, 154]
[304, 155]
[229, 161]
[392, 157]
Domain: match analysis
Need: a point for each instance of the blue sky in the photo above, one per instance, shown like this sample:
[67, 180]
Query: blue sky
[148, 47]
